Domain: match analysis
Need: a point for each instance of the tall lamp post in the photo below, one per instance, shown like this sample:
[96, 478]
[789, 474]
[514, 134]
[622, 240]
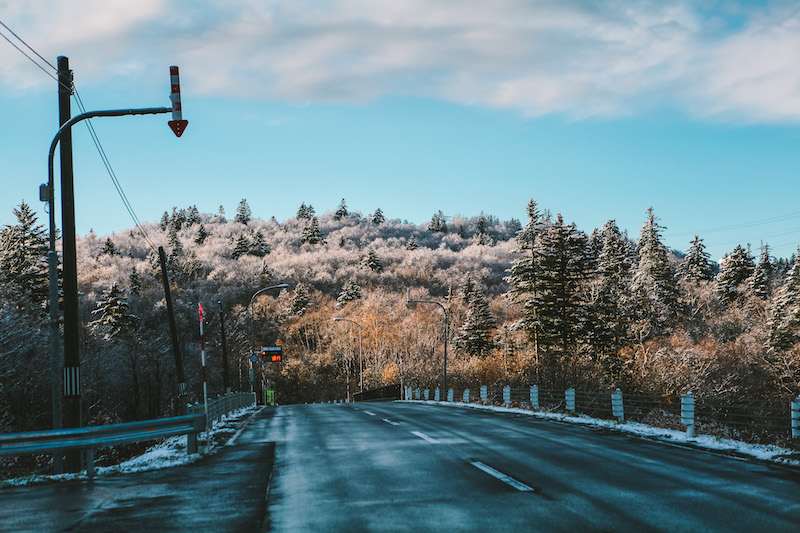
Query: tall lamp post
[253, 330]
[360, 364]
[410, 303]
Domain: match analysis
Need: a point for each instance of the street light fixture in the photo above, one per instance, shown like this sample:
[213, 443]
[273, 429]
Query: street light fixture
[253, 330]
[360, 364]
[410, 303]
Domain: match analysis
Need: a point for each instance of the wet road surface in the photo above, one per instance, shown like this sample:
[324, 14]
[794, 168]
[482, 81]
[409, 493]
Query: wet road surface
[404, 467]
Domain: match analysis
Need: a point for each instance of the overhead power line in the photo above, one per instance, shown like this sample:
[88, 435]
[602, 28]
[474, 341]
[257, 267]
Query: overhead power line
[92, 132]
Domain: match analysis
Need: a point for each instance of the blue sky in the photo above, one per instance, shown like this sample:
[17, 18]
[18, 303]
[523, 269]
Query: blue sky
[597, 110]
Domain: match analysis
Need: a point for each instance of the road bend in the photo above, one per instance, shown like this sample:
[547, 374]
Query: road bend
[404, 467]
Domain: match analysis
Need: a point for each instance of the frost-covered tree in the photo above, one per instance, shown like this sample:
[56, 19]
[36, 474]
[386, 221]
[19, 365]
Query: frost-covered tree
[412, 243]
[475, 334]
[523, 279]
[298, 305]
[564, 265]
[784, 326]
[341, 212]
[241, 247]
[438, 223]
[114, 318]
[243, 213]
[696, 265]
[372, 261]
[378, 218]
[305, 211]
[760, 281]
[109, 248]
[350, 292]
[259, 246]
[134, 282]
[611, 311]
[175, 245]
[23, 261]
[164, 224]
[734, 270]
[311, 232]
[202, 235]
[192, 216]
[654, 285]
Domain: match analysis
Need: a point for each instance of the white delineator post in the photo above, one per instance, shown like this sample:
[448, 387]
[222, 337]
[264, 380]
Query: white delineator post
[177, 123]
[203, 361]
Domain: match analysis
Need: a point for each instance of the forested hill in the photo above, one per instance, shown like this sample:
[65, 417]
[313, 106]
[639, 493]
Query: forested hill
[531, 301]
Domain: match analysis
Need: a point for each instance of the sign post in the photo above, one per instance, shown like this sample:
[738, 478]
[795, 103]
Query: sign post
[177, 123]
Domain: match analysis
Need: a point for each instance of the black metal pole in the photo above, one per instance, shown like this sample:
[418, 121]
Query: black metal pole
[226, 385]
[72, 360]
[173, 333]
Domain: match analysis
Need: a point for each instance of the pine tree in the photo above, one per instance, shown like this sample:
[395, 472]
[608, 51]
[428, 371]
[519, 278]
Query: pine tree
[475, 335]
[259, 247]
[341, 212]
[611, 312]
[350, 292]
[378, 218]
[760, 281]
[109, 248]
[134, 282]
[23, 261]
[192, 216]
[202, 235]
[114, 316]
[175, 245]
[412, 243]
[298, 305]
[563, 266]
[696, 265]
[654, 285]
[372, 261]
[243, 213]
[523, 278]
[305, 211]
[164, 224]
[438, 223]
[311, 233]
[482, 226]
[784, 326]
[734, 270]
[241, 247]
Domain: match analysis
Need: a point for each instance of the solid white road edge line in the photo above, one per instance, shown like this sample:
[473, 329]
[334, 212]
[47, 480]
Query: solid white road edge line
[423, 436]
[502, 477]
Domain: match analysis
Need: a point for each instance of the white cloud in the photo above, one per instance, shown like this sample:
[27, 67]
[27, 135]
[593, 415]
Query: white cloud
[577, 58]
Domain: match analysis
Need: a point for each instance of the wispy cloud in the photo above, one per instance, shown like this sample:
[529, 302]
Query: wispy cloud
[577, 58]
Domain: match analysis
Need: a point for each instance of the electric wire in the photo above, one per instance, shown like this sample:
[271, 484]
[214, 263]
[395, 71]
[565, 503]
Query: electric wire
[90, 127]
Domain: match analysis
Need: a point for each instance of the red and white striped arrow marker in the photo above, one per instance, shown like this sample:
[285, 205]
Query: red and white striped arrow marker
[177, 123]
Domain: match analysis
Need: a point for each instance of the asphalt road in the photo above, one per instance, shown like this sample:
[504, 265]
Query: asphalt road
[413, 467]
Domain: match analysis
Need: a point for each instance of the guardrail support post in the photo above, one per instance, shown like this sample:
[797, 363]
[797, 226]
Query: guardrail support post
[450, 393]
[687, 413]
[484, 394]
[507, 396]
[617, 409]
[535, 397]
[426, 394]
[466, 395]
[436, 395]
[569, 397]
[89, 456]
[796, 417]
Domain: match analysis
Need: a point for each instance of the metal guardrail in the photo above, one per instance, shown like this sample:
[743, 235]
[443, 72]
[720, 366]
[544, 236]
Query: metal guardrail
[224, 404]
[382, 394]
[93, 437]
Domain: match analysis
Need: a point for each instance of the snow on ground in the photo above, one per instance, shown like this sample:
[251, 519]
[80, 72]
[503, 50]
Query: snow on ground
[763, 452]
[168, 453]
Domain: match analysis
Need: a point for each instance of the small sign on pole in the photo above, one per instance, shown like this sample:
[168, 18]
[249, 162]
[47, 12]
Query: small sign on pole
[177, 123]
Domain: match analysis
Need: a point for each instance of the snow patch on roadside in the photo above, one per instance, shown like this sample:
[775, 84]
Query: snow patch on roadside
[763, 452]
[168, 453]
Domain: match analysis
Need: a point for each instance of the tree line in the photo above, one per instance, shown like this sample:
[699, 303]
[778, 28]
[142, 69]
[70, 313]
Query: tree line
[541, 302]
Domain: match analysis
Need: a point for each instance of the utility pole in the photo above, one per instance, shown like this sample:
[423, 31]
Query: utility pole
[72, 359]
[226, 382]
[173, 333]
